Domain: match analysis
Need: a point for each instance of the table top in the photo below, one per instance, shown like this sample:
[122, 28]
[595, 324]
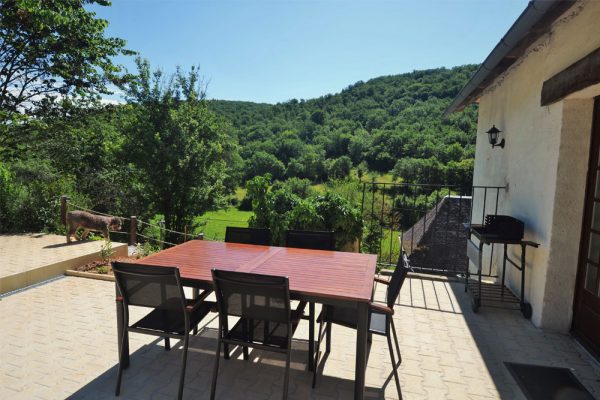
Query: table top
[319, 273]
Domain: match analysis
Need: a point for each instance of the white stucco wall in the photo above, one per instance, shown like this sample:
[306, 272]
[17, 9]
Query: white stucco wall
[544, 162]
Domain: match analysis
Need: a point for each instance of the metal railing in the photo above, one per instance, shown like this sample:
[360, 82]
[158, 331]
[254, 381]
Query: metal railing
[427, 221]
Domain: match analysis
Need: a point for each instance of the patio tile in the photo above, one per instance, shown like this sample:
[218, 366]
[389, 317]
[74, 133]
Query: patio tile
[59, 340]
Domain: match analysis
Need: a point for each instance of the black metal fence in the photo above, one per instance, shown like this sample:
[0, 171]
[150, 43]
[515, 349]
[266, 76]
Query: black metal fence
[426, 221]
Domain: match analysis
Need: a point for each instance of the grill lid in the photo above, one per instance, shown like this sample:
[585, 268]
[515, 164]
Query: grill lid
[500, 228]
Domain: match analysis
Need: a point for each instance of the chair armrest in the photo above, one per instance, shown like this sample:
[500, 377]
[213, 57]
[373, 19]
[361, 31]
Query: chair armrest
[381, 308]
[380, 280]
[194, 304]
[203, 295]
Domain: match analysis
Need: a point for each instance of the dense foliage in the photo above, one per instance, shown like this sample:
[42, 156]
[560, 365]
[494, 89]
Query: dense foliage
[180, 150]
[168, 153]
[162, 153]
[388, 124]
[279, 209]
[51, 48]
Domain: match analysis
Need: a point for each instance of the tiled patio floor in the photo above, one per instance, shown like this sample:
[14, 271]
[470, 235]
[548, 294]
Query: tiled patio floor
[30, 258]
[58, 340]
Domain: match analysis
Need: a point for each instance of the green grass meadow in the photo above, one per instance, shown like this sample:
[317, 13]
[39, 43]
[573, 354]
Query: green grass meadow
[390, 247]
[213, 223]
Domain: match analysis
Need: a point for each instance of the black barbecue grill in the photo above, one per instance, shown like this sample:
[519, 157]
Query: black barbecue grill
[500, 228]
[505, 230]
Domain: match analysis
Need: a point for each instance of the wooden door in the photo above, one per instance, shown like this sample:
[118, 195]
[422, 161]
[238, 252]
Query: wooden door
[586, 320]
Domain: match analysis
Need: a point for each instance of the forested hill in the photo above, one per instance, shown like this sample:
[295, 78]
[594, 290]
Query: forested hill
[391, 123]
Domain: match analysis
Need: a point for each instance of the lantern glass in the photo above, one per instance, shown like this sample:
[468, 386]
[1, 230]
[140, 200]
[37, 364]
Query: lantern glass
[493, 134]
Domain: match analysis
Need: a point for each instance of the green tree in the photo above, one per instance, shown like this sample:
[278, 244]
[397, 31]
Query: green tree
[262, 162]
[301, 187]
[380, 121]
[256, 190]
[318, 117]
[179, 147]
[54, 47]
[339, 168]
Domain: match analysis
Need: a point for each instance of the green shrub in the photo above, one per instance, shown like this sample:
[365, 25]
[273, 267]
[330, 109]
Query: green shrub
[145, 249]
[30, 197]
[339, 216]
[8, 192]
[372, 239]
[39, 203]
[106, 252]
[280, 210]
[301, 187]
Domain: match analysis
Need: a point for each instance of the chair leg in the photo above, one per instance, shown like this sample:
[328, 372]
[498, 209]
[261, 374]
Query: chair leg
[286, 378]
[396, 340]
[167, 344]
[186, 341]
[316, 366]
[213, 386]
[226, 351]
[328, 341]
[195, 294]
[247, 332]
[120, 368]
[394, 366]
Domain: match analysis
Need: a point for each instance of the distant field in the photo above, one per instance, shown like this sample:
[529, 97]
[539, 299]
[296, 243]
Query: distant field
[215, 222]
[383, 178]
[390, 247]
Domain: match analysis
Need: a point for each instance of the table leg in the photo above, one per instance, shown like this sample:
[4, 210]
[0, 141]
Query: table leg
[195, 294]
[311, 336]
[362, 328]
[120, 327]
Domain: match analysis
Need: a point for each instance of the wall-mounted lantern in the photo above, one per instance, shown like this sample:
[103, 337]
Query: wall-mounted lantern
[493, 134]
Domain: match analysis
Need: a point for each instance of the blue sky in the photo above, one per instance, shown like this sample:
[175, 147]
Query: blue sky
[273, 51]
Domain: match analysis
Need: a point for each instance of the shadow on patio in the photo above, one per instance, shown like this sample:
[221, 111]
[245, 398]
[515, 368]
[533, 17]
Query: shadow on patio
[154, 374]
[451, 352]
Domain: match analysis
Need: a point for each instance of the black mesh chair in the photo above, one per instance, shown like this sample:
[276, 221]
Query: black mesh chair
[173, 316]
[265, 319]
[316, 240]
[380, 318]
[260, 236]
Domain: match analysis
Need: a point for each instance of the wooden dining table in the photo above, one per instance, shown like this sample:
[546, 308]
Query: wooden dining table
[316, 276]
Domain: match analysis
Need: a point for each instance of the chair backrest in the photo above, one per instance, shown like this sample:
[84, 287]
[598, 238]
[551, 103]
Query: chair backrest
[252, 296]
[248, 235]
[316, 240]
[398, 278]
[149, 285]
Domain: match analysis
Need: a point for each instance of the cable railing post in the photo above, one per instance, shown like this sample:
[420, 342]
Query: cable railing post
[133, 230]
[64, 204]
